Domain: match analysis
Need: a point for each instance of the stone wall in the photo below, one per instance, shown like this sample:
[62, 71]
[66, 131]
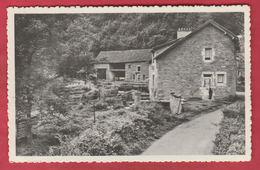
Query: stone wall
[109, 74]
[144, 72]
[180, 70]
[175, 104]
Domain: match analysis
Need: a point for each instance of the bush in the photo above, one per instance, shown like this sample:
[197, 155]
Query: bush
[234, 110]
[37, 148]
[155, 112]
[118, 106]
[231, 137]
[111, 101]
[194, 99]
[102, 138]
[101, 105]
[91, 95]
[108, 91]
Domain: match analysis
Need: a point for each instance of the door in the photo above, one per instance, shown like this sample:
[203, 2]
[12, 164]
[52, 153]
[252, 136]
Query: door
[207, 86]
[138, 76]
[101, 73]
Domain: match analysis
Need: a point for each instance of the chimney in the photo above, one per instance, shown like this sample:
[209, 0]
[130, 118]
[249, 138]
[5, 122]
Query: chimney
[182, 32]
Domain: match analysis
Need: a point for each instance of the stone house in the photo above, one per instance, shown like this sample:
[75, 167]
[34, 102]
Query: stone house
[126, 65]
[199, 63]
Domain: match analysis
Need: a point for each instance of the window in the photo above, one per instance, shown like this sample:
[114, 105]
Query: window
[221, 78]
[208, 53]
[138, 76]
[143, 77]
[138, 68]
[133, 77]
[129, 66]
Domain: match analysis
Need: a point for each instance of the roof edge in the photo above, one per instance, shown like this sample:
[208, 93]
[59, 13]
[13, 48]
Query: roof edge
[145, 61]
[226, 31]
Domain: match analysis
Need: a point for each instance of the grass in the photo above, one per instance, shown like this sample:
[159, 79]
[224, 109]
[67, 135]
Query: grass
[231, 137]
[196, 106]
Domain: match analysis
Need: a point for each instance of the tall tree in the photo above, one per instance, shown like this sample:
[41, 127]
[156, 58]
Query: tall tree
[35, 54]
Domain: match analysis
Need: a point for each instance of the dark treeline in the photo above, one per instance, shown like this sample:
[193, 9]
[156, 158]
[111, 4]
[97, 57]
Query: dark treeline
[49, 46]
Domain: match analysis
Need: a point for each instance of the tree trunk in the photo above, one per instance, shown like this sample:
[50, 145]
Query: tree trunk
[28, 115]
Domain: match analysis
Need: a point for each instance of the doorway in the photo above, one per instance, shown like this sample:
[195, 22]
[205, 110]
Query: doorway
[207, 84]
[101, 73]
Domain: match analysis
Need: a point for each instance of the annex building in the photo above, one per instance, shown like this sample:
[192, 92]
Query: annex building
[125, 65]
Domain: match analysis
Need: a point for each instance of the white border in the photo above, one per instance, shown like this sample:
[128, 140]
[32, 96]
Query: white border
[124, 9]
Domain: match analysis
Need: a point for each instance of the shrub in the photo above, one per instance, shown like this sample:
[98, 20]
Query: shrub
[36, 148]
[194, 99]
[111, 101]
[108, 91]
[119, 112]
[156, 112]
[118, 106]
[91, 95]
[231, 137]
[101, 105]
[235, 110]
[228, 99]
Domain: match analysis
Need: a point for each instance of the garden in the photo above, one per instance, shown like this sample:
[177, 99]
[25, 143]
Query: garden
[107, 127]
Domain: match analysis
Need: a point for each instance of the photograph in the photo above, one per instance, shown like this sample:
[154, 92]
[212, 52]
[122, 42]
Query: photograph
[136, 84]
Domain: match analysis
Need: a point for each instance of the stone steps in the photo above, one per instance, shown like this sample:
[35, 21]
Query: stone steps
[145, 96]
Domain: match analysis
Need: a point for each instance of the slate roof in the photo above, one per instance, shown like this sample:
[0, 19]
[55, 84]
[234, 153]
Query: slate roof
[124, 56]
[165, 44]
[174, 43]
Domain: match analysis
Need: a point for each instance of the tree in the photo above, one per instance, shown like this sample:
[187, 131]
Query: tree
[35, 42]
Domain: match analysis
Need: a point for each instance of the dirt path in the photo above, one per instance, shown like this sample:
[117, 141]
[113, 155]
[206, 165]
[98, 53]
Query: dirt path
[192, 138]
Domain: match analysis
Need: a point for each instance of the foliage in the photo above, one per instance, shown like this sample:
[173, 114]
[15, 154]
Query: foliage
[49, 99]
[101, 105]
[116, 132]
[241, 79]
[37, 148]
[108, 91]
[118, 106]
[241, 84]
[231, 137]
[235, 110]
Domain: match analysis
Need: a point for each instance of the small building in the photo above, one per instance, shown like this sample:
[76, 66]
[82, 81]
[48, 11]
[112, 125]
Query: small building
[199, 63]
[126, 65]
